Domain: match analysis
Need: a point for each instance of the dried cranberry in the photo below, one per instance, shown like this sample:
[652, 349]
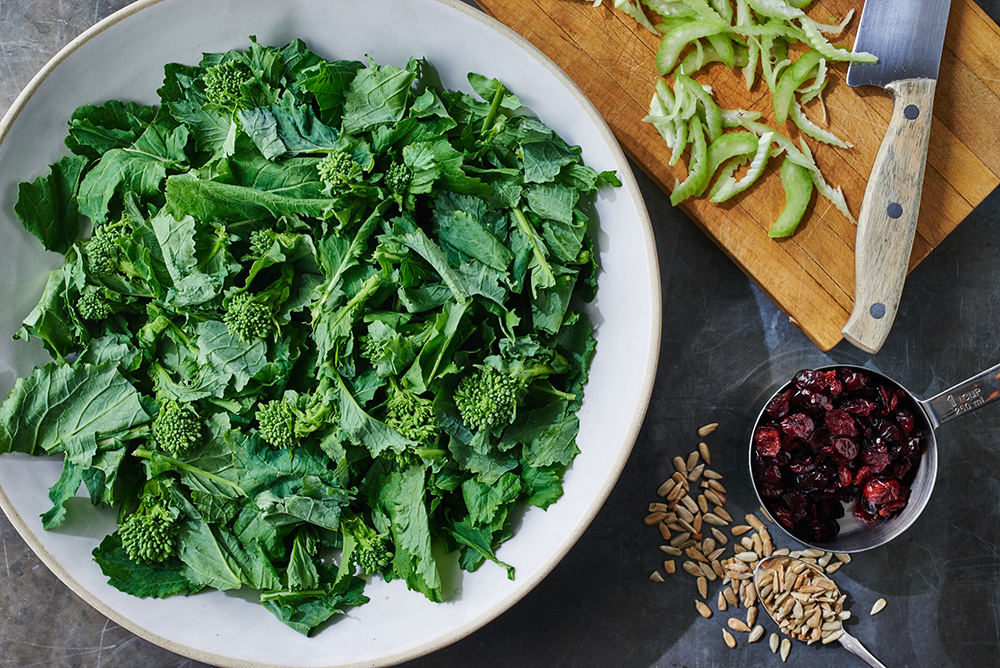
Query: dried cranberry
[772, 474]
[846, 449]
[768, 441]
[902, 467]
[777, 407]
[904, 419]
[798, 425]
[858, 406]
[876, 454]
[840, 423]
[881, 491]
[783, 515]
[844, 476]
[853, 380]
[802, 465]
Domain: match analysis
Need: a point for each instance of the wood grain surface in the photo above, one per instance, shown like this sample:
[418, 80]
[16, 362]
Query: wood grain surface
[810, 276]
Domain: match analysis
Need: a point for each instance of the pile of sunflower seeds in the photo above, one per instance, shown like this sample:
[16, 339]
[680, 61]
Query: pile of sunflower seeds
[681, 518]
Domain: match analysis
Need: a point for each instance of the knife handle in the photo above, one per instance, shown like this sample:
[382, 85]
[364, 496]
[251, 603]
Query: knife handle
[888, 217]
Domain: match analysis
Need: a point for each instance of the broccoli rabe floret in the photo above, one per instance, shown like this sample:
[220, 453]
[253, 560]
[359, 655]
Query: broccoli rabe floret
[488, 397]
[260, 242]
[397, 178]
[92, 305]
[338, 167]
[368, 549]
[102, 248]
[284, 422]
[150, 533]
[248, 319]
[411, 415]
[223, 82]
[177, 428]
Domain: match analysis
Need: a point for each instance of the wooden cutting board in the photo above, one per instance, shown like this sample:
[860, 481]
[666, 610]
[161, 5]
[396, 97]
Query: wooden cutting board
[810, 276]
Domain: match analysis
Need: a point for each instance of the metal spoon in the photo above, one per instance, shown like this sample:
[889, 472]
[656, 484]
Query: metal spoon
[848, 641]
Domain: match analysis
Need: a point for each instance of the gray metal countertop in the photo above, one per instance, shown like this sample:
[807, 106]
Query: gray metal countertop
[723, 344]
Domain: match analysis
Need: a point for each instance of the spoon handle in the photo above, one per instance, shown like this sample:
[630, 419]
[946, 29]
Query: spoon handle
[852, 645]
[981, 389]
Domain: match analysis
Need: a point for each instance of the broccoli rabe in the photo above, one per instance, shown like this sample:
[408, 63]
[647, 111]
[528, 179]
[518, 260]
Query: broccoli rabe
[365, 546]
[223, 82]
[92, 305]
[338, 167]
[284, 422]
[260, 242]
[411, 415]
[488, 397]
[177, 428]
[397, 178]
[150, 533]
[248, 319]
[102, 250]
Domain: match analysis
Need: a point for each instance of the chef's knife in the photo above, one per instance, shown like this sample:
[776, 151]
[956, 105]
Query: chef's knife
[907, 36]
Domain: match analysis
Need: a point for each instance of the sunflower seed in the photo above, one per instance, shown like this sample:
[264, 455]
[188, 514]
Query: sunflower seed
[680, 538]
[715, 485]
[656, 577]
[738, 625]
[658, 508]
[681, 466]
[705, 454]
[703, 503]
[676, 493]
[715, 554]
[665, 488]
[671, 550]
[703, 586]
[786, 647]
[690, 504]
[748, 557]
[879, 604]
[669, 566]
[721, 604]
[730, 640]
[721, 512]
[739, 529]
[707, 429]
[753, 521]
[692, 567]
[717, 567]
[694, 553]
[703, 609]
[712, 475]
[654, 518]
[730, 596]
[713, 497]
[696, 472]
[698, 519]
[692, 460]
[756, 634]
[773, 642]
[714, 520]
[720, 537]
[834, 566]
[664, 531]
[709, 572]
[833, 637]
[751, 615]
[843, 556]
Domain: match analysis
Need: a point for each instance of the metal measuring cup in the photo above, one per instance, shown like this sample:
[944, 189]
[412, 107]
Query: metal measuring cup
[857, 536]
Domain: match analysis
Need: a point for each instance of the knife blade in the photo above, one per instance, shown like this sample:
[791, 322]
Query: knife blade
[907, 36]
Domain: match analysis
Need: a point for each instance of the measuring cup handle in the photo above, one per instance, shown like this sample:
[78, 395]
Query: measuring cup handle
[981, 389]
[852, 645]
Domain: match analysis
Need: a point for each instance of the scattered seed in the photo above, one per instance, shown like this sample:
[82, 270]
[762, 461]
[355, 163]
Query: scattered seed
[664, 531]
[773, 641]
[698, 519]
[705, 454]
[692, 567]
[730, 596]
[681, 466]
[665, 488]
[721, 604]
[691, 505]
[756, 634]
[833, 637]
[715, 484]
[748, 557]
[654, 518]
[721, 512]
[717, 567]
[703, 503]
[679, 539]
[677, 492]
[658, 508]
[710, 495]
[834, 566]
[751, 615]
[843, 556]
[714, 520]
[786, 647]
[738, 625]
[707, 429]
[720, 537]
[694, 553]
[696, 472]
[709, 572]
[730, 640]
[739, 529]
[879, 604]
[669, 566]
[703, 609]
[656, 577]
[703, 586]
[715, 554]
[671, 550]
[753, 521]
[692, 460]
[712, 475]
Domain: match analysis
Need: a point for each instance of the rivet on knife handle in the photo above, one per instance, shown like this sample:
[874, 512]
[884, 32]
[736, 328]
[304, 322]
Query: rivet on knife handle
[888, 217]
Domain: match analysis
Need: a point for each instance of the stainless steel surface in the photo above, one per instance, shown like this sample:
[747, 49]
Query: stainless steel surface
[849, 642]
[906, 35]
[723, 345]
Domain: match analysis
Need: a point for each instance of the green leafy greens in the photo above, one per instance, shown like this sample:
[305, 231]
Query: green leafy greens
[267, 348]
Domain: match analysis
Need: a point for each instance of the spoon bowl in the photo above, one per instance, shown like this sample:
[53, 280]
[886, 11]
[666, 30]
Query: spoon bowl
[778, 578]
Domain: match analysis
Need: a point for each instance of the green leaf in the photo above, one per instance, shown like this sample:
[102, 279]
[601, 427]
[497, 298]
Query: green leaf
[377, 95]
[47, 207]
[402, 498]
[142, 579]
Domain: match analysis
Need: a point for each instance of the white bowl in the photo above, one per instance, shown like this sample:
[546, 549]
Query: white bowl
[122, 58]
